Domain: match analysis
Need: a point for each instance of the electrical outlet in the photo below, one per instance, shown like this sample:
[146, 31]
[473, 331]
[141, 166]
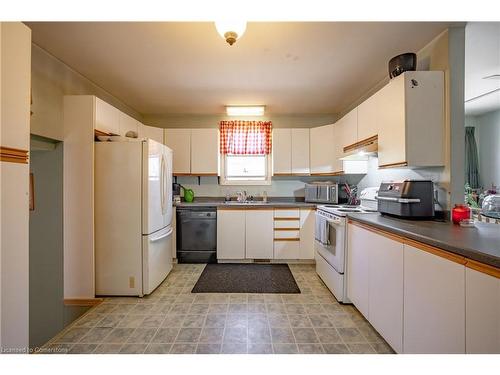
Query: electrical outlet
[131, 282]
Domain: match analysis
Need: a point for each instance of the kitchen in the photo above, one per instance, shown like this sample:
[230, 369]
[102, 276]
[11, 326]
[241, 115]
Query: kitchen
[252, 216]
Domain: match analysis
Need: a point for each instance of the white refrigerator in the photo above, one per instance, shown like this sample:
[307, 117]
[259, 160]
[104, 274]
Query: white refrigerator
[133, 216]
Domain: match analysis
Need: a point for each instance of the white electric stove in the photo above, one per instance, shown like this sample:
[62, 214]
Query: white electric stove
[331, 241]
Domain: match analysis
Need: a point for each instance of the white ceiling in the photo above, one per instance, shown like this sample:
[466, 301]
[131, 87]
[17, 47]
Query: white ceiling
[482, 59]
[180, 67]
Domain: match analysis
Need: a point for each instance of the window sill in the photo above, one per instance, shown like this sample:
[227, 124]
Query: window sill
[244, 182]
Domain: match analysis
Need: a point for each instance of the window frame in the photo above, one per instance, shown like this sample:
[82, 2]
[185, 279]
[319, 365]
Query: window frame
[266, 181]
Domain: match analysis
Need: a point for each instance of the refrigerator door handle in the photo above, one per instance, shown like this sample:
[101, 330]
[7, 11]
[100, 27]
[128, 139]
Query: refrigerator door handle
[162, 236]
[162, 183]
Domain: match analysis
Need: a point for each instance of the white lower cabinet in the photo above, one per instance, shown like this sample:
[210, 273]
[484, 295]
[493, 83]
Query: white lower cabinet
[282, 234]
[434, 303]
[385, 295]
[359, 241]
[259, 234]
[422, 300]
[375, 282]
[482, 311]
[285, 249]
[306, 244]
[231, 234]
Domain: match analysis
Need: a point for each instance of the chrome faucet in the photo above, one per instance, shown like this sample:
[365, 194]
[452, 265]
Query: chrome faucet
[242, 196]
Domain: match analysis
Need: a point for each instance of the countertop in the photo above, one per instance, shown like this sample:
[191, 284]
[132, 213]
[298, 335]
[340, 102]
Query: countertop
[480, 243]
[272, 203]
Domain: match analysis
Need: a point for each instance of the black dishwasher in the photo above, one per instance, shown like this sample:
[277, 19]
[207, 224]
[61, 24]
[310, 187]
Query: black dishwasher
[196, 234]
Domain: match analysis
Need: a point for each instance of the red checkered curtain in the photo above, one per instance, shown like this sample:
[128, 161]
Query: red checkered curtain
[245, 137]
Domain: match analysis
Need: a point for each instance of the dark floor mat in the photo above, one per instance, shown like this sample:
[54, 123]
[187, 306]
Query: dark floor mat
[246, 278]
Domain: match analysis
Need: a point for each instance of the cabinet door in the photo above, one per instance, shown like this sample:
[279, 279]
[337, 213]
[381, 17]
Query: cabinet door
[286, 249]
[482, 312]
[151, 132]
[230, 234]
[350, 128]
[205, 151]
[338, 148]
[156, 134]
[107, 117]
[391, 126]
[386, 288]
[127, 124]
[321, 149]
[434, 303]
[306, 246]
[259, 234]
[368, 113]
[300, 151]
[15, 85]
[179, 140]
[359, 241]
[282, 151]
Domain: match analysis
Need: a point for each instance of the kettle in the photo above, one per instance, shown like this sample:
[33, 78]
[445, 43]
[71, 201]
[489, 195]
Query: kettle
[188, 194]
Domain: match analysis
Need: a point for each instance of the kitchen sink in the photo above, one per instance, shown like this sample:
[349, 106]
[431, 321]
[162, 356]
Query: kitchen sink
[245, 203]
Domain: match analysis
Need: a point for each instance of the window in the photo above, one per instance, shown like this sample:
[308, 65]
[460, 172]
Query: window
[245, 170]
[245, 152]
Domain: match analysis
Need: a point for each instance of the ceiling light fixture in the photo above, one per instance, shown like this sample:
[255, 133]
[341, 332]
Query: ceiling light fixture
[245, 110]
[231, 30]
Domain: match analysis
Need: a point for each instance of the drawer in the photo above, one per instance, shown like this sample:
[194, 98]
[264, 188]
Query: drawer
[286, 249]
[286, 234]
[295, 224]
[287, 213]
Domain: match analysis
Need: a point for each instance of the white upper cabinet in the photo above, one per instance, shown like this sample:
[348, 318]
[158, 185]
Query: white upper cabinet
[151, 132]
[204, 151]
[434, 303]
[368, 117]
[15, 84]
[107, 117]
[282, 151]
[291, 151]
[322, 145]
[300, 151]
[411, 120]
[482, 311]
[349, 132]
[126, 124]
[179, 140]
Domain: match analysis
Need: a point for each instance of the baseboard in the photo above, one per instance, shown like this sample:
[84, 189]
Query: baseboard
[83, 301]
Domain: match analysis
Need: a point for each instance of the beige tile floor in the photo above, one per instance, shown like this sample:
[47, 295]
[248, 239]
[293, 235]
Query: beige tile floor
[174, 320]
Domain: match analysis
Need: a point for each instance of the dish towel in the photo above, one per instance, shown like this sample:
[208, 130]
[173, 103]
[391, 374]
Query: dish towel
[321, 230]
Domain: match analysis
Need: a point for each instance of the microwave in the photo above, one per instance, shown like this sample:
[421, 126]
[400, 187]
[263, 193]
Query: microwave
[322, 193]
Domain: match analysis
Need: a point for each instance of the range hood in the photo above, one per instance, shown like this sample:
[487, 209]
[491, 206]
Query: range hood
[361, 150]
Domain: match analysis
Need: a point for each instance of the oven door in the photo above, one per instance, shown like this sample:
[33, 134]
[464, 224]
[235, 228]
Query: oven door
[331, 247]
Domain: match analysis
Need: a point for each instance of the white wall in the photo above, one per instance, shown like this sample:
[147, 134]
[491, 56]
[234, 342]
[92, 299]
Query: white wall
[280, 186]
[14, 181]
[212, 121]
[487, 135]
[375, 176]
[51, 80]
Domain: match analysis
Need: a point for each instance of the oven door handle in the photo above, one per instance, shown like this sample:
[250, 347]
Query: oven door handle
[399, 200]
